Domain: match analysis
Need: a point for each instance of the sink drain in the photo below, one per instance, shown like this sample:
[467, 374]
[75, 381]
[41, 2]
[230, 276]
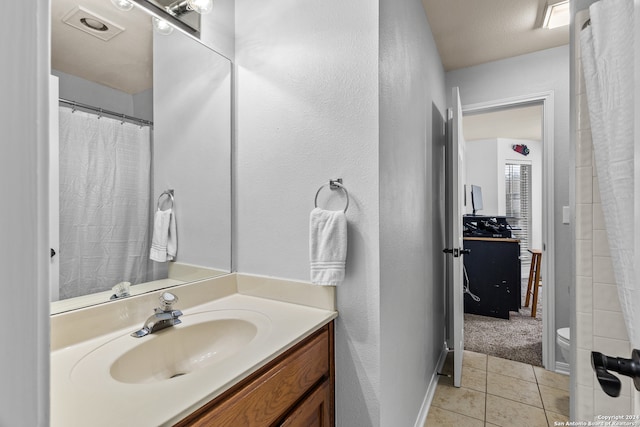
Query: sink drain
[178, 375]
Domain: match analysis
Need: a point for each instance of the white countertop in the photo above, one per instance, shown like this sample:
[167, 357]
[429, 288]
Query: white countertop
[103, 401]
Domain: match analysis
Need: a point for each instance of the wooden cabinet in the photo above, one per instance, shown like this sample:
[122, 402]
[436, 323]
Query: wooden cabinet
[314, 411]
[295, 390]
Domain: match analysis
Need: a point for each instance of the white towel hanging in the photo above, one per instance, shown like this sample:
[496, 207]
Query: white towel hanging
[327, 246]
[164, 243]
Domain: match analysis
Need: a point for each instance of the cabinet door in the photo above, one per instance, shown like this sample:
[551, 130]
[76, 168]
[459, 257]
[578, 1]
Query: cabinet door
[266, 398]
[313, 411]
[493, 270]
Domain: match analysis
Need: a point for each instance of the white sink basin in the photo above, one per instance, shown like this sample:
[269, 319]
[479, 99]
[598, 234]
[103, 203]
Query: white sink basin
[201, 340]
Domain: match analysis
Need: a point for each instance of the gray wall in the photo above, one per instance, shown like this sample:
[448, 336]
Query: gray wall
[307, 111]
[24, 260]
[143, 104]
[192, 146]
[348, 90]
[412, 106]
[218, 28]
[77, 89]
[523, 75]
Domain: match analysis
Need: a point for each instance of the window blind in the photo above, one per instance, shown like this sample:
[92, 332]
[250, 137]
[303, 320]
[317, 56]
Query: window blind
[518, 205]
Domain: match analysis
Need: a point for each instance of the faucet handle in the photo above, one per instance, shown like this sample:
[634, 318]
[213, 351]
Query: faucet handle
[167, 299]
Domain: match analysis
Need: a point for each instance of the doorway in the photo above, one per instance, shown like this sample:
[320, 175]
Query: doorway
[514, 140]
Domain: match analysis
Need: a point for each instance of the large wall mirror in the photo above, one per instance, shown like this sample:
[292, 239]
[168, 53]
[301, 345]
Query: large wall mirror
[141, 155]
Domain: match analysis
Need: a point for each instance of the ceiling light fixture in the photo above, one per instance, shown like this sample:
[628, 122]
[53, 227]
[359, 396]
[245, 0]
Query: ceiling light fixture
[556, 14]
[124, 5]
[180, 7]
[200, 6]
[162, 27]
[94, 24]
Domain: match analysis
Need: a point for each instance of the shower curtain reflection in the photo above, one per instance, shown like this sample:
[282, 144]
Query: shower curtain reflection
[105, 179]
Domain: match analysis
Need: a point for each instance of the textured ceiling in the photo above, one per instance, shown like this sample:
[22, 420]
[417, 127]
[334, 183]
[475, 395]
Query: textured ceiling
[467, 32]
[472, 32]
[125, 62]
[517, 123]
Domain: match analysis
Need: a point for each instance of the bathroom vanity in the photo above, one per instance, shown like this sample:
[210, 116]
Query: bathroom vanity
[294, 390]
[250, 351]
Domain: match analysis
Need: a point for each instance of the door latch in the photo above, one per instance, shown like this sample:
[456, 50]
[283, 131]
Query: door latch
[456, 251]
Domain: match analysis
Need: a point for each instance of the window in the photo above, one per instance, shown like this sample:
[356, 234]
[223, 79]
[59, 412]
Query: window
[518, 205]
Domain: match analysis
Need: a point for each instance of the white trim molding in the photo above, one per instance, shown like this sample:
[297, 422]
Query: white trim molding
[562, 368]
[431, 390]
[636, 6]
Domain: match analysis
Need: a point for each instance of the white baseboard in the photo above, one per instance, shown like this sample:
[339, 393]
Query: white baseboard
[433, 383]
[562, 368]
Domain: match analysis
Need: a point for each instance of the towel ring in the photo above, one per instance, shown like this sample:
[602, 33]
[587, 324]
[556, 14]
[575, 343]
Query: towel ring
[334, 184]
[166, 193]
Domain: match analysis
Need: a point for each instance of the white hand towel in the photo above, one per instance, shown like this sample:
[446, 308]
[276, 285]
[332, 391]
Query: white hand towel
[164, 243]
[327, 246]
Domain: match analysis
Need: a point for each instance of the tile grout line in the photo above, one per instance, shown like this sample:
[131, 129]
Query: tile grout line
[546, 417]
[486, 388]
[537, 377]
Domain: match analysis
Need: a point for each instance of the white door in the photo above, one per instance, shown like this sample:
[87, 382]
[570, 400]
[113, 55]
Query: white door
[454, 250]
[54, 234]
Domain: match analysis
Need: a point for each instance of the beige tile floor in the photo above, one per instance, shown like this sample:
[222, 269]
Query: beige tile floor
[499, 392]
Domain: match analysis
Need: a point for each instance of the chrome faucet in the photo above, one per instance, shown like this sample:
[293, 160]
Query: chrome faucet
[163, 316]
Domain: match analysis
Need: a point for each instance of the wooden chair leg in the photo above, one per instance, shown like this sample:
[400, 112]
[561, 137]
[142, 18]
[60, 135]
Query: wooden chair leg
[536, 285]
[531, 273]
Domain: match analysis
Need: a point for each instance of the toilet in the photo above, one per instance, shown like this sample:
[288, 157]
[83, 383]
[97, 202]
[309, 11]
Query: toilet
[563, 338]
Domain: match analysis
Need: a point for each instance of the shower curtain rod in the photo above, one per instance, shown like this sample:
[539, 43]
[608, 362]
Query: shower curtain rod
[103, 112]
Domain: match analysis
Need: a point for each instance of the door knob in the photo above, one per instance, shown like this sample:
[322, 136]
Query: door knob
[610, 383]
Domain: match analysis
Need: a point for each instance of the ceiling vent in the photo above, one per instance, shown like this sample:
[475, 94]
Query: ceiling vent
[91, 23]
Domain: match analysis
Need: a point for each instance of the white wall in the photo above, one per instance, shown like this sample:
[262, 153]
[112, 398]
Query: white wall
[412, 107]
[481, 166]
[485, 160]
[191, 146]
[524, 75]
[307, 111]
[24, 260]
[218, 28]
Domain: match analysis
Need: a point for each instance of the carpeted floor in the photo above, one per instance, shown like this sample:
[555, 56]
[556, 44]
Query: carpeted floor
[519, 338]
